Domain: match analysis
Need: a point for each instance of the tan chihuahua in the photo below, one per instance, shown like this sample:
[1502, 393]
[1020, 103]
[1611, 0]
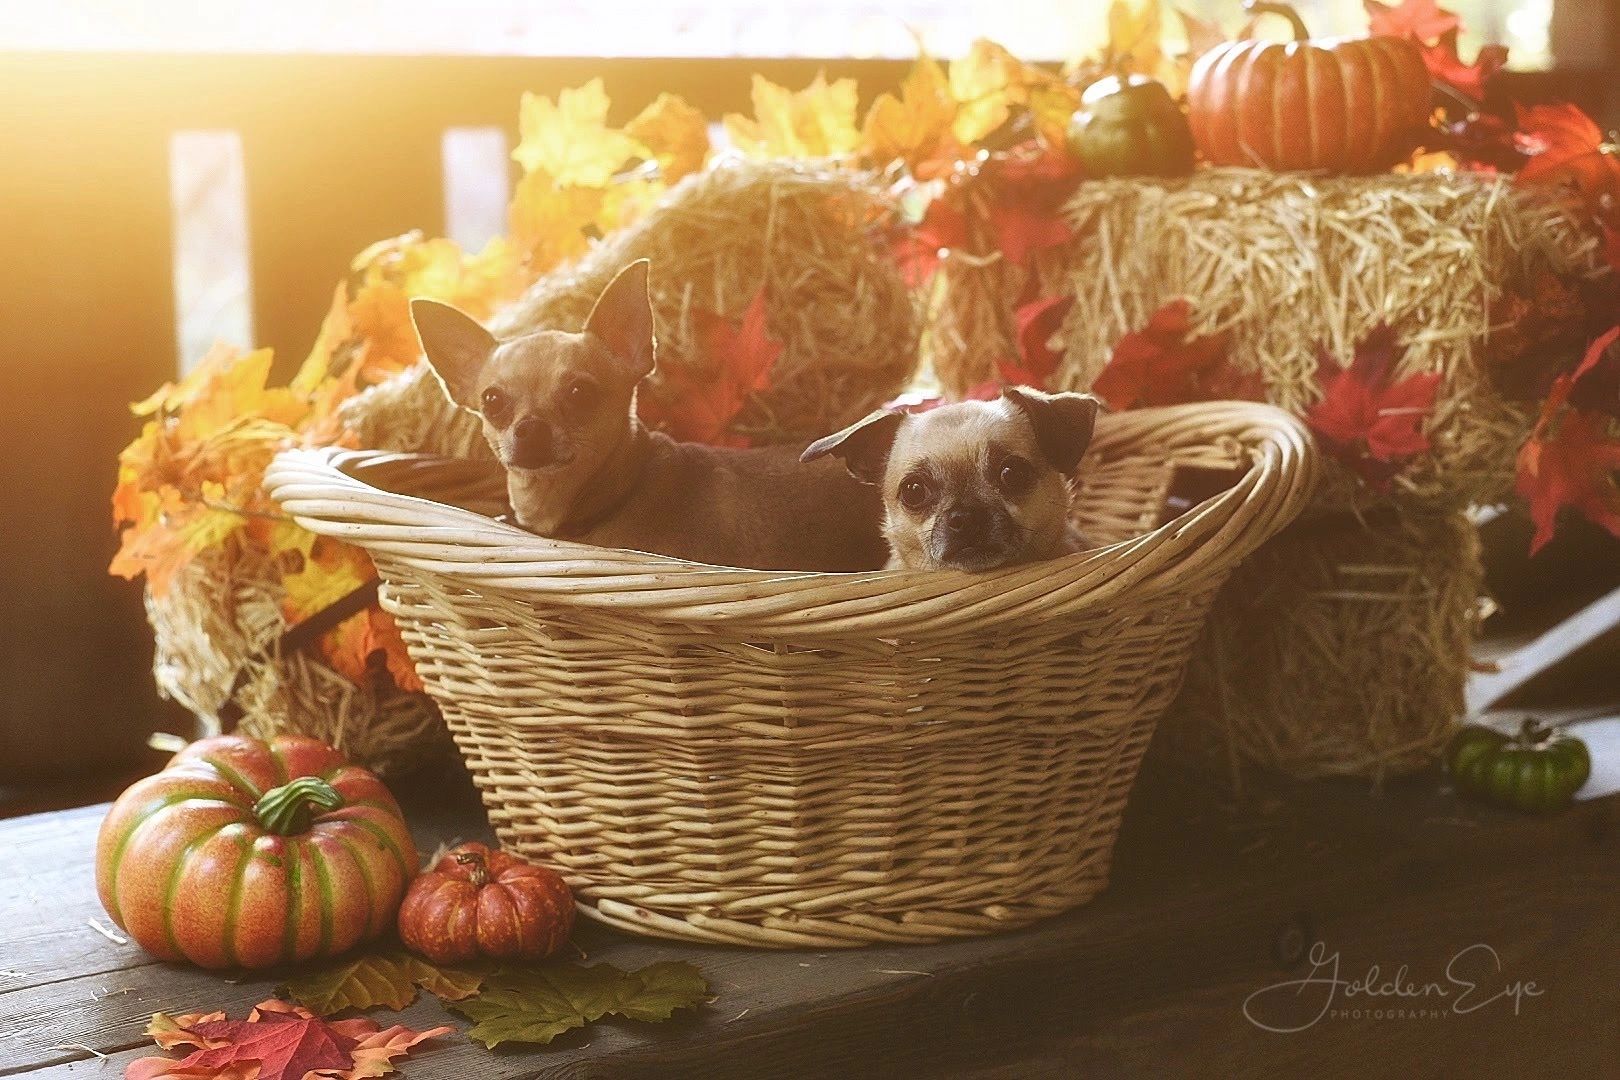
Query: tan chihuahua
[559, 410]
[974, 485]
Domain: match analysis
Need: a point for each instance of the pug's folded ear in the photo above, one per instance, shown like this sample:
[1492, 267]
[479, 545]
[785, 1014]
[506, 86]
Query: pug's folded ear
[863, 446]
[1063, 423]
[456, 347]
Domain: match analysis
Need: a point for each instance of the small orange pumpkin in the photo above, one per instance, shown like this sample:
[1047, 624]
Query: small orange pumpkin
[477, 902]
[1339, 105]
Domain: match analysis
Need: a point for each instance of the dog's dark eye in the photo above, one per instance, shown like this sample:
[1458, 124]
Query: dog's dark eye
[914, 493]
[581, 395]
[1016, 476]
[496, 404]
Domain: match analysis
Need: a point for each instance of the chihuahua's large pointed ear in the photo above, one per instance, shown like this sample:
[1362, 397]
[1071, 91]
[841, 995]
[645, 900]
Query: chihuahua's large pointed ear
[864, 446]
[456, 346]
[1063, 423]
[623, 318]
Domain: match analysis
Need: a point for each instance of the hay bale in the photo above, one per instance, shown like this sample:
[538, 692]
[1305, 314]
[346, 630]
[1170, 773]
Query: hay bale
[218, 630]
[810, 235]
[1340, 648]
[1287, 262]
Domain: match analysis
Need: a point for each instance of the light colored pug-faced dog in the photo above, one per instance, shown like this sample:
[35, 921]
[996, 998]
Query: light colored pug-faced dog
[974, 485]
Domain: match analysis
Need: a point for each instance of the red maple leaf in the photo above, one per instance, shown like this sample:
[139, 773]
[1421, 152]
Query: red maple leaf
[1567, 147]
[918, 248]
[1482, 141]
[277, 1041]
[1570, 460]
[1446, 65]
[1368, 419]
[1027, 187]
[1422, 19]
[1161, 364]
[1037, 322]
[697, 408]
[1594, 386]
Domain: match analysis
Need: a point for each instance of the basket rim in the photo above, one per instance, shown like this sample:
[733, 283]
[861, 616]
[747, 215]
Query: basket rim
[1197, 548]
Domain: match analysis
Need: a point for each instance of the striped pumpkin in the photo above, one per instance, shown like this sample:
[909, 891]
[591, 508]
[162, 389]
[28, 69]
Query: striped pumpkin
[1342, 105]
[248, 854]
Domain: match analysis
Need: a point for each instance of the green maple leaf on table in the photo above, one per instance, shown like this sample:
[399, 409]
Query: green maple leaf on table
[536, 1005]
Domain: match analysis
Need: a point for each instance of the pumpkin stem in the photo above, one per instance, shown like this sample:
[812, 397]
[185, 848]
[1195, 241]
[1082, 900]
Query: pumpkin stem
[1256, 8]
[1532, 733]
[478, 868]
[288, 809]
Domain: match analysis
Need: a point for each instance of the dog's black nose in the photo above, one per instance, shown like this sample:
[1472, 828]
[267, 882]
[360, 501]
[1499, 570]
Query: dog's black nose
[531, 442]
[966, 520]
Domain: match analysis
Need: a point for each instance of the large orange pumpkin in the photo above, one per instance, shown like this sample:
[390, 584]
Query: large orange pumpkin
[247, 854]
[1339, 105]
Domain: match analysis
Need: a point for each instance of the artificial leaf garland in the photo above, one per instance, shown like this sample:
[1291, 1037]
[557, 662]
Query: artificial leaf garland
[277, 1041]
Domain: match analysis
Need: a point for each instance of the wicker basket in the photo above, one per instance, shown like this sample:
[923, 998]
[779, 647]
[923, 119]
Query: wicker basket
[794, 759]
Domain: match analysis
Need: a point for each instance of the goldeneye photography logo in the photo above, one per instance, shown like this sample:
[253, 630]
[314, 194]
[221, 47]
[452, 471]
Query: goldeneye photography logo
[1471, 981]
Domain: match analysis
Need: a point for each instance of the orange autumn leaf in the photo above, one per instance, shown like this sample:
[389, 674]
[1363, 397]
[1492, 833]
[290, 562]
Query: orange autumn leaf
[818, 121]
[675, 133]
[916, 126]
[277, 1041]
[381, 316]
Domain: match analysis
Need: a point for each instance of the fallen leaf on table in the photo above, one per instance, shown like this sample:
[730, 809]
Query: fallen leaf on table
[277, 1041]
[1367, 418]
[381, 980]
[536, 1005]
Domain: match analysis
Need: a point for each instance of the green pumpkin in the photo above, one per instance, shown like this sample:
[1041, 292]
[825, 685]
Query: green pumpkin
[1131, 127]
[1536, 770]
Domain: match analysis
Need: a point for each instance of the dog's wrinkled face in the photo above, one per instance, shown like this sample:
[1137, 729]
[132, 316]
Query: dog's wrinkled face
[967, 487]
[974, 485]
[554, 405]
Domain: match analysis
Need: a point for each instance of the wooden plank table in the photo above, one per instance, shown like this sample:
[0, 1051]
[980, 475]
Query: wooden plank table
[1491, 942]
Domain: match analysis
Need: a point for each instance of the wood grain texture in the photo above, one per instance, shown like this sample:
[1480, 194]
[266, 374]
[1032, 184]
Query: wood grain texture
[1209, 905]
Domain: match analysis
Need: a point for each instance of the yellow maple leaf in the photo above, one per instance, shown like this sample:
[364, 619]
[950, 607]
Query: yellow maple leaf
[985, 83]
[569, 140]
[329, 572]
[675, 133]
[548, 222]
[916, 126]
[1134, 32]
[171, 532]
[336, 331]
[818, 121]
